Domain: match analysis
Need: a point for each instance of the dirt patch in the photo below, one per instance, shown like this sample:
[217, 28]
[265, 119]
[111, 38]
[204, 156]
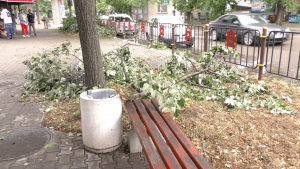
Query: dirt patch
[66, 117]
[246, 139]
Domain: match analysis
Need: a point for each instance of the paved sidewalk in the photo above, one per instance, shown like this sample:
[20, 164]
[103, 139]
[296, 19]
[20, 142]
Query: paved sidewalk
[68, 152]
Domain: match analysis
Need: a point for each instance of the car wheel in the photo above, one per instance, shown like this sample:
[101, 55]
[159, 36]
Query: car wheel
[248, 39]
[214, 35]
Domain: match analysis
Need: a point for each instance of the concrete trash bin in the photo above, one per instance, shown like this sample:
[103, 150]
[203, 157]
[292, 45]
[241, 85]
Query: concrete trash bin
[101, 119]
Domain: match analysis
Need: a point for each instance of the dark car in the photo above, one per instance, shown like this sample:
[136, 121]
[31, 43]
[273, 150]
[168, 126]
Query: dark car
[248, 27]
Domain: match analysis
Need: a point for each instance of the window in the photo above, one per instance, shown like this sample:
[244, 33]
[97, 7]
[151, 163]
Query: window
[228, 19]
[121, 19]
[225, 19]
[162, 8]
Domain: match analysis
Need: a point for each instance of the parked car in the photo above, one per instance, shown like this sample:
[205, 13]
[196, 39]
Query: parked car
[167, 22]
[104, 17]
[121, 17]
[248, 28]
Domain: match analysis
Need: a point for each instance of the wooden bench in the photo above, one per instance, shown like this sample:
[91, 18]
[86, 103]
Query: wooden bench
[163, 142]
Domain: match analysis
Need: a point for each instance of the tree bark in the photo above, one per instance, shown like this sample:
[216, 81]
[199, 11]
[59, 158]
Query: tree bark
[70, 4]
[280, 13]
[38, 12]
[188, 17]
[130, 11]
[91, 52]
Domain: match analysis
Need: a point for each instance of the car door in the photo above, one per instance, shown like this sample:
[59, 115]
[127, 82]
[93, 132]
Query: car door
[223, 26]
[235, 25]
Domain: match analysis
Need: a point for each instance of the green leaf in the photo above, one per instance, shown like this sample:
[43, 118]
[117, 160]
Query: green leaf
[50, 145]
[181, 102]
[26, 164]
[1, 138]
[95, 87]
[155, 87]
[77, 113]
[8, 132]
[177, 112]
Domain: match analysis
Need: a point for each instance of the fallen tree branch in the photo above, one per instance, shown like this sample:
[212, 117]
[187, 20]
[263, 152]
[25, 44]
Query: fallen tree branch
[191, 62]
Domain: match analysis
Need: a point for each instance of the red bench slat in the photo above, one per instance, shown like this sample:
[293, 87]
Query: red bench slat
[198, 159]
[162, 147]
[181, 155]
[153, 159]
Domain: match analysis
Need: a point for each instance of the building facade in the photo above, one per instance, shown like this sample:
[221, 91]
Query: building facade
[163, 8]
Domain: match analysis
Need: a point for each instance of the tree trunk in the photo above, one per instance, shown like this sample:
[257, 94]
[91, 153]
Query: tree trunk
[280, 13]
[91, 52]
[188, 17]
[70, 4]
[130, 11]
[38, 12]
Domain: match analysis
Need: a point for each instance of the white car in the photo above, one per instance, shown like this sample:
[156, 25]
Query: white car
[121, 17]
[167, 21]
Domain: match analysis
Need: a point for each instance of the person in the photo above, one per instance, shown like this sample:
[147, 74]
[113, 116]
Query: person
[31, 17]
[46, 20]
[6, 16]
[24, 23]
[13, 17]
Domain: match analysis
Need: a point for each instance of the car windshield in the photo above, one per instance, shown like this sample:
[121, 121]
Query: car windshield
[121, 19]
[250, 19]
[174, 20]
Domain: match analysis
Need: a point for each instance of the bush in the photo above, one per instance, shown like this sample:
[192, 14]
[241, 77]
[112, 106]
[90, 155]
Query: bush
[70, 25]
[103, 32]
[47, 73]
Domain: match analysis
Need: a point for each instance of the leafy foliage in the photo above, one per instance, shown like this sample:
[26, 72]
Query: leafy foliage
[218, 7]
[124, 6]
[69, 25]
[212, 80]
[48, 73]
[174, 84]
[103, 32]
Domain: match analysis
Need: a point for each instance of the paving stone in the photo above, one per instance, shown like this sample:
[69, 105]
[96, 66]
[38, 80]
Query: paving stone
[63, 167]
[52, 149]
[135, 157]
[64, 160]
[122, 163]
[78, 163]
[92, 157]
[107, 159]
[78, 139]
[78, 153]
[6, 164]
[49, 165]
[121, 154]
[66, 142]
[93, 164]
[4, 127]
[109, 166]
[18, 167]
[65, 151]
[34, 164]
[20, 162]
[51, 157]
[78, 145]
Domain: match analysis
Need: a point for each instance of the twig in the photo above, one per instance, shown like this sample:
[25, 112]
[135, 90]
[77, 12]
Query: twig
[191, 62]
[225, 77]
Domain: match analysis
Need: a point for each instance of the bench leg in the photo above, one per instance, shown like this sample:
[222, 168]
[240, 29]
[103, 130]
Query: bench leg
[134, 143]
